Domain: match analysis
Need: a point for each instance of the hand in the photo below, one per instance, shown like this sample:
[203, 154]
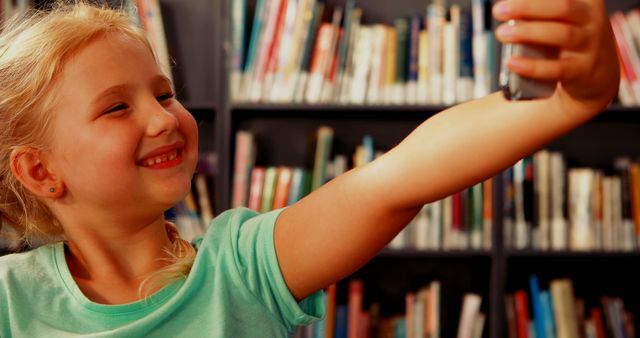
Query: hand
[587, 65]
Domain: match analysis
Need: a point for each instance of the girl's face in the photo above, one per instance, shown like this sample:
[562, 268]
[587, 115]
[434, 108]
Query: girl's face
[124, 148]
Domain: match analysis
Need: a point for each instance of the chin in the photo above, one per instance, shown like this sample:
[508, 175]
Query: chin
[171, 193]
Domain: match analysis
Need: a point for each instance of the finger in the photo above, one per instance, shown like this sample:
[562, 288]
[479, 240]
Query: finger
[548, 33]
[543, 69]
[563, 10]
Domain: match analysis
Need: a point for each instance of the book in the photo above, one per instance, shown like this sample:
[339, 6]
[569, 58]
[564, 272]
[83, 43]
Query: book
[464, 86]
[564, 308]
[375, 89]
[345, 43]
[323, 56]
[355, 307]
[436, 19]
[238, 23]
[204, 202]
[538, 312]
[416, 25]
[269, 22]
[324, 141]
[480, 48]
[243, 164]
[510, 314]
[345, 79]
[596, 317]
[477, 221]
[342, 321]
[558, 220]
[308, 52]
[433, 320]
[282, 188]
[627, 50]
[487, 213]
[409, 314]
[330, 320]
[256, 188]
[451, 56]
[468, 315]
[542, 192]
[300, 185]
[580, 190]
[547, 314]
[402, 38]
[360, 76]
[520, 300]
[521, 228]
[269, 189]
[286, 79]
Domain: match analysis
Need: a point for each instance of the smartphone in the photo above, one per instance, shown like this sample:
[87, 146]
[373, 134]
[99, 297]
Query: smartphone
[516, 87]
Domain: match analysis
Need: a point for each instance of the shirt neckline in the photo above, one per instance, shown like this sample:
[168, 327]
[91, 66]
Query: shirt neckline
[150, 303]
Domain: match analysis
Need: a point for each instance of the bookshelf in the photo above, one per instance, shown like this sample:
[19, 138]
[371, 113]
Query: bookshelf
[198, 34]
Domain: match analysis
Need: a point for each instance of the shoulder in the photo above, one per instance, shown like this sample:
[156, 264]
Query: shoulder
[27, 264]
[235, 223]
[240, 244]
[16, 262]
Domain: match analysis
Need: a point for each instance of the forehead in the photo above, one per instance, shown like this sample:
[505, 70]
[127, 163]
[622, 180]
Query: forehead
[109, 60]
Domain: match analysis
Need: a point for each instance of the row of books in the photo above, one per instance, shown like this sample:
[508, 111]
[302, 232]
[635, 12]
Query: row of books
[556, 312]
[548, 206]
[626, 28]
[422, 316]
[443, 57]
[255, 186]
[462, 221]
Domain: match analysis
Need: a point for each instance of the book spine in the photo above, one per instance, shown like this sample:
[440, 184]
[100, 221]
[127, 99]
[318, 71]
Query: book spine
[469, 313]
[538, 312]
[256, 188]
[522, 313]
[268, 192]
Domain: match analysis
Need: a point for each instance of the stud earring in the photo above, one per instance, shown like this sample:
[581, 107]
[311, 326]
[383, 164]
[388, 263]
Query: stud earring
[52, 189]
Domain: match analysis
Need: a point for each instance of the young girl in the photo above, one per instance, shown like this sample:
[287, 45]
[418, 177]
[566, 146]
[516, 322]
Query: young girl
[94, 148]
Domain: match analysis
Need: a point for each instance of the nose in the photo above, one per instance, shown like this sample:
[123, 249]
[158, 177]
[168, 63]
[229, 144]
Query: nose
[160, 120]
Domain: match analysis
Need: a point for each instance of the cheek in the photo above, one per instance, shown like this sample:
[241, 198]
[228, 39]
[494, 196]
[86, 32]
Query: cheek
[189, 128]
[99, 155]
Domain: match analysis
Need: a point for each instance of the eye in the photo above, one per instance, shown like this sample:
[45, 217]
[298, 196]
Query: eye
[116, 108]
[164, 97]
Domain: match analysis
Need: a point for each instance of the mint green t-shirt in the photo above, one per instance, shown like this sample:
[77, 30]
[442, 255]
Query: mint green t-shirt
[235, 289]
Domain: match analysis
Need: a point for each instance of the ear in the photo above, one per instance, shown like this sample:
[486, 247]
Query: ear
[28, 167]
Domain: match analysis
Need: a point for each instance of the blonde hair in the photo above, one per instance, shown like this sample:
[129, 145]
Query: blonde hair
[33, 52]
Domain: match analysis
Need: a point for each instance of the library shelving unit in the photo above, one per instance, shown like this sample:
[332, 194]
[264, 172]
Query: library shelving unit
[198, 34]
[284, 130]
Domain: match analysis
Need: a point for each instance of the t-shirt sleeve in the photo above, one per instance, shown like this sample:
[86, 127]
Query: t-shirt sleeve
[258, 265]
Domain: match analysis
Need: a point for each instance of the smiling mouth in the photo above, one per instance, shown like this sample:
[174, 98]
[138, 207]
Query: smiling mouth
[163, 160]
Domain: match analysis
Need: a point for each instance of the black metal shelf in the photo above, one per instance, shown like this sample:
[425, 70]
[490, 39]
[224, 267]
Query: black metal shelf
[571, 254]
[417, 253]
[297, 107]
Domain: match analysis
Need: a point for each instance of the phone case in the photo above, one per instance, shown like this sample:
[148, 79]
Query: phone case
[516, 87]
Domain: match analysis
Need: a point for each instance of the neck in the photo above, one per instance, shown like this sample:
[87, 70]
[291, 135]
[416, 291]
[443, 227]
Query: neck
[109, 265]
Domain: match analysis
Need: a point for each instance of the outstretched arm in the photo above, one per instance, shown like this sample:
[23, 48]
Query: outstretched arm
[342, 225]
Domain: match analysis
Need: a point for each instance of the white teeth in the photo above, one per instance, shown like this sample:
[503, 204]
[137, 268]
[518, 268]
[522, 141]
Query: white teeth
[163, 158]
